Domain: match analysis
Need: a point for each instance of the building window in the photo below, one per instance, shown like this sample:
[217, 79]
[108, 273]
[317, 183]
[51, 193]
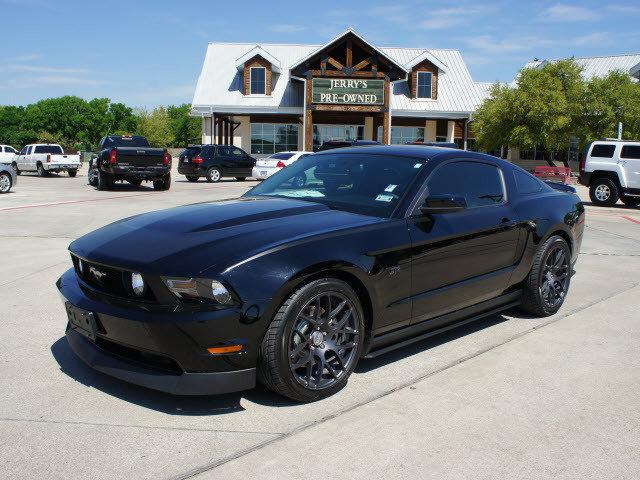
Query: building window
[424, 85]
[268, 138]
[403, 135]
[325, 133]
[258, 80]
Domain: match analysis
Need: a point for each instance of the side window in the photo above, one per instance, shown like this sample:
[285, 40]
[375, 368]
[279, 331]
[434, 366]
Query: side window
[526, 183]
[237, 152]
[603, 151]
[224, 151]
[11, 150]
[480, 184]
[630, 151]
[23, 151]
[29, 150]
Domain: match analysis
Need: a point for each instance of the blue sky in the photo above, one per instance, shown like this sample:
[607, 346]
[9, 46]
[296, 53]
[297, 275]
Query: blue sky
[147, 53]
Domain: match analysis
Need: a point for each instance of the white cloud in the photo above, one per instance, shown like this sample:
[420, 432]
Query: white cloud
[47, 81]
[624, 9]
[562, 12]
[489, 45]
[592, 39]
[41, 69]
[287, 28]
[452, 16]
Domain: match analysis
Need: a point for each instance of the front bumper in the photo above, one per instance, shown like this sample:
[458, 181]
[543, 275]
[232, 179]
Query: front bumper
[165, 351]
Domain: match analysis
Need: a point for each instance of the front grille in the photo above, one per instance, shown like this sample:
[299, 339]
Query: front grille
[148, 359]
[109, 280]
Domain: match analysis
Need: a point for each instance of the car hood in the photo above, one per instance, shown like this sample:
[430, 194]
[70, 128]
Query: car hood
[190, 239]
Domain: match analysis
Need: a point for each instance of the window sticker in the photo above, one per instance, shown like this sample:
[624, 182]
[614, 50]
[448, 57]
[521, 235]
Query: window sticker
[300, 193]
[384, 198]
[390, 188]
[417, 165]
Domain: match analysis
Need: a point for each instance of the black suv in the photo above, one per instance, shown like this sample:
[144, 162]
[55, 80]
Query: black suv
[214, 162]
[331, 144]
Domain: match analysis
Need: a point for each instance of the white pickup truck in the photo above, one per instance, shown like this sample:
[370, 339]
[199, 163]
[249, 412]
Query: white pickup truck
[45, 158]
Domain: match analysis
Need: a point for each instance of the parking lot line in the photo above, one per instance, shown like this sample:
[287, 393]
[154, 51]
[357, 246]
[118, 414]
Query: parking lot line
[631, 219]
[66, 202]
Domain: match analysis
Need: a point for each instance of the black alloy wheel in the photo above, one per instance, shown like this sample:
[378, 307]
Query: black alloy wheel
[547, 284]
[314, 341]
[92, 177]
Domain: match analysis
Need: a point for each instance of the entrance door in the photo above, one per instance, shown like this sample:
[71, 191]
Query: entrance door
[324, 133]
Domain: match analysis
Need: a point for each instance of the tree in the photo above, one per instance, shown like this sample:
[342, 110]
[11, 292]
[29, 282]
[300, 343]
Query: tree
[183, 127]
[123, 119]
[543, 109]
[155, 126]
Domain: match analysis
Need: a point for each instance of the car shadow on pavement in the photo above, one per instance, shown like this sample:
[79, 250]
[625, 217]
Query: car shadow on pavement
[366, 365]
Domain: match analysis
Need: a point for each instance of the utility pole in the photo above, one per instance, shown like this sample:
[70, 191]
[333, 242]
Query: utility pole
[619, 130]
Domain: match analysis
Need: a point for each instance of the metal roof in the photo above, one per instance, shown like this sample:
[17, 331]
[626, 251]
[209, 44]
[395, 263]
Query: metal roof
[219, 87]
[600, 66]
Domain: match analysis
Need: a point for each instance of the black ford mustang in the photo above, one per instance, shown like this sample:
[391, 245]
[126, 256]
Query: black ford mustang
[293, 285]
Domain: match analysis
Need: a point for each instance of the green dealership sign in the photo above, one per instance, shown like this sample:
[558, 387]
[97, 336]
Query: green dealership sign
[348, 91]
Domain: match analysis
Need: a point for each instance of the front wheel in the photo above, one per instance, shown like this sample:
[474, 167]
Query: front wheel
[313, 342]
[5, 182]
[547, 284]
[604, 192]
[631, 201]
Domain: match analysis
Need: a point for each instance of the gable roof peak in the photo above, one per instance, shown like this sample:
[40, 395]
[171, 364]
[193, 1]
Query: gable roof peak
[258, 51]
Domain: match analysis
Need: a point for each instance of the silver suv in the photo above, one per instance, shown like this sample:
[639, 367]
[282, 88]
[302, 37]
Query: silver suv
[611, 170]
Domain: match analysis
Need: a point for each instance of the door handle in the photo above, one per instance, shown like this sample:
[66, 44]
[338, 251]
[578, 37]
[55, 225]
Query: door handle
[506, 222]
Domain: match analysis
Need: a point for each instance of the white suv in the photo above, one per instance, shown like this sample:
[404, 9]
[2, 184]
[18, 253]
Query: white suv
[611, 170]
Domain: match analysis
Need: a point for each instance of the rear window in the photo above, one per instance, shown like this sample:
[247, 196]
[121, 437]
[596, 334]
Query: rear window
[630, 151]
[281, 156]
[603, 151]
[190, 151]
[137, 142]
[52, 149]
[527, 183]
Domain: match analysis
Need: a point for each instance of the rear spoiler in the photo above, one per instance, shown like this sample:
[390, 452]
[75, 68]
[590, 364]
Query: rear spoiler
[560, 186]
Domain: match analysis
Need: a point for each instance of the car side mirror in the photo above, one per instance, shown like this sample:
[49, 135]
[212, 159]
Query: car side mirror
[443, 204]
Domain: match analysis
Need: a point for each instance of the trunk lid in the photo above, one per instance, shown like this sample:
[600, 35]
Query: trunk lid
[140, 156]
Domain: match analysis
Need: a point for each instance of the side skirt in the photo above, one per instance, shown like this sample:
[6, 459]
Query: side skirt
[414, 333]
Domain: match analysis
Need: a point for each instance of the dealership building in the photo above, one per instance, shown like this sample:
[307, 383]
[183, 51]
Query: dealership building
[266, 98]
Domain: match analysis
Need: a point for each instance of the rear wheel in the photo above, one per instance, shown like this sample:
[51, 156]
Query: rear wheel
[631, 201]
[41, 171]
[214, 175]
[241, 179]
[72, 173]
[104, 181]
[92, 177]
[604, 192]
[163, 183]
[192, 178]
[313, 342]
[547, 284]
[5, 182]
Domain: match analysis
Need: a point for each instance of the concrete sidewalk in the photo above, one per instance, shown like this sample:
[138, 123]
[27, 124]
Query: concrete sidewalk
[559, 402]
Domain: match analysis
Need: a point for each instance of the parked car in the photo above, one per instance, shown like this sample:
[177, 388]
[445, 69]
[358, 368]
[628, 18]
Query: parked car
[8, 176]
[268, 166]
[331, 144]
[215, 162]
[387, 245]
[611, 170]
[45, 158]
[435, 144]
[129, 158]
[7, 152]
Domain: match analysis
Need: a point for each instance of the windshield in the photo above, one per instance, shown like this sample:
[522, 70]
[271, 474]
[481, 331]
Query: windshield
[358, 183]
[52, 149]
[138, 142]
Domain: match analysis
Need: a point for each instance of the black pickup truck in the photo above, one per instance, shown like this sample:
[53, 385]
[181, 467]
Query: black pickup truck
[130, 158]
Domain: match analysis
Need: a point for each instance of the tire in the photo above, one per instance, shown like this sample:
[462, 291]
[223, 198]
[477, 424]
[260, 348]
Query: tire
[5, 182]
[214, 175]
[241, 179]
[284, 345]
[15, 167]
[41, 171]
[163, 183]
[104, 181]
[135, 182]
[538, 280]
[192, 178]
[631, 201]
[92, 177]
[72, 173]
[604, 192]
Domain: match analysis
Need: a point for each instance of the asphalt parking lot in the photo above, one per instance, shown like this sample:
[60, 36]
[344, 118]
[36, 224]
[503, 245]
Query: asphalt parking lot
[509, 397]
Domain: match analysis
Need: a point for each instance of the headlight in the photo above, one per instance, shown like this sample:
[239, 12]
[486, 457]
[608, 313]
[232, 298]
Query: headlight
[137, 284]
[199, 289]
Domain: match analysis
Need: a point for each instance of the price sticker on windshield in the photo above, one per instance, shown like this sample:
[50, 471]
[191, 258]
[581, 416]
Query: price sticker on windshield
[384, 198]
[390, 188]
